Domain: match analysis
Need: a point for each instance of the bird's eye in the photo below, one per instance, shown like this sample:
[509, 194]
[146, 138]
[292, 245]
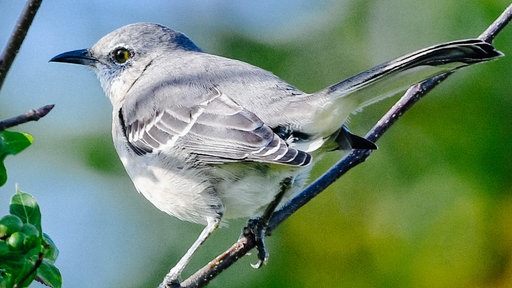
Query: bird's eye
[121, 55]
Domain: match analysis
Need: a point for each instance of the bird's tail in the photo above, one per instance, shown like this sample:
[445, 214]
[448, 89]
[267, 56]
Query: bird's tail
[338, 101]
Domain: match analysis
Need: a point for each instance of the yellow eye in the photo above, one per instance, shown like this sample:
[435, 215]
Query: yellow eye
[121, 55]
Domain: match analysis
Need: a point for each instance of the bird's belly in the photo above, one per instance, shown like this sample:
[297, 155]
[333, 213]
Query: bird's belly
[246, 189]
[195, 193]
[180, 191]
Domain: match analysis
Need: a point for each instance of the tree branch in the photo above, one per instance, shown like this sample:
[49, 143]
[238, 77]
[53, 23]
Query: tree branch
[17, 37]
[204, 275]
[7, 58]
[32, 115]
[490, 33]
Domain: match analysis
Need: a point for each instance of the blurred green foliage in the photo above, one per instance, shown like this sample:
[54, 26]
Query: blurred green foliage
[99, 153]
[433, 206]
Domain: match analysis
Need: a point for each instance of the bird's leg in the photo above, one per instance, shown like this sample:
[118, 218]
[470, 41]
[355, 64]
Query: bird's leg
[256, 227]
[171, 279]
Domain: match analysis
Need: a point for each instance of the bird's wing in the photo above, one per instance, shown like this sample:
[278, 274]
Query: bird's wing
[217, 130]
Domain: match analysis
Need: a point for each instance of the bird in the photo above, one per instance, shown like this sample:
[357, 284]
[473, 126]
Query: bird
[207, 138]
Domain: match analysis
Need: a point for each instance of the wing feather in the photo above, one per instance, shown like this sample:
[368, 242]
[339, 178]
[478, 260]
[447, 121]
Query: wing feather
[217, 130]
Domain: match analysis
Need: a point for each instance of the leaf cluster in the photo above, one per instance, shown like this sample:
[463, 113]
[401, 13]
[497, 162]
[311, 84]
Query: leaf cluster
[26, 253]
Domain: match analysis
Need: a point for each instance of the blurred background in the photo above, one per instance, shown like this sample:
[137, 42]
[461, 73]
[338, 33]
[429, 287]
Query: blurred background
[431, 208]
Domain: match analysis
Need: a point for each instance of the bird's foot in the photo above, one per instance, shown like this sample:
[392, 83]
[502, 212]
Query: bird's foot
[256, 228]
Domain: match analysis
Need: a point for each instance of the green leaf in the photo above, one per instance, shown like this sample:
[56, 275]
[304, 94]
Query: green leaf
[25, 206]
[50, 249]
[11, 143]
[5, 278]
[49, 275]
[3, 174]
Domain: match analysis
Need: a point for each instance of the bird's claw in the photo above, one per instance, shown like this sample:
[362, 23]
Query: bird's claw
[256, 228]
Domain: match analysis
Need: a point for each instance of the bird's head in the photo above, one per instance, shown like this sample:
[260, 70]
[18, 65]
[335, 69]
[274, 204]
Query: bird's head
[122, 56]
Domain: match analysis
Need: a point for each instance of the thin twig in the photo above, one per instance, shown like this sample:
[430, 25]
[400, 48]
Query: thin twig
[17, 37]
[490, 33]
[32, 115]
[204, 275]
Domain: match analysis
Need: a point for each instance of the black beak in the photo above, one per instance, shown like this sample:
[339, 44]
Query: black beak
[81, 56]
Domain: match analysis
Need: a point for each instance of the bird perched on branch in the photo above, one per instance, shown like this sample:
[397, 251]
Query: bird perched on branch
[206, 138]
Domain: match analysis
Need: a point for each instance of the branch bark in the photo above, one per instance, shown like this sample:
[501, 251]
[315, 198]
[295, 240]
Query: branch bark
[17, 37]
[204, 275]
[32, 115]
